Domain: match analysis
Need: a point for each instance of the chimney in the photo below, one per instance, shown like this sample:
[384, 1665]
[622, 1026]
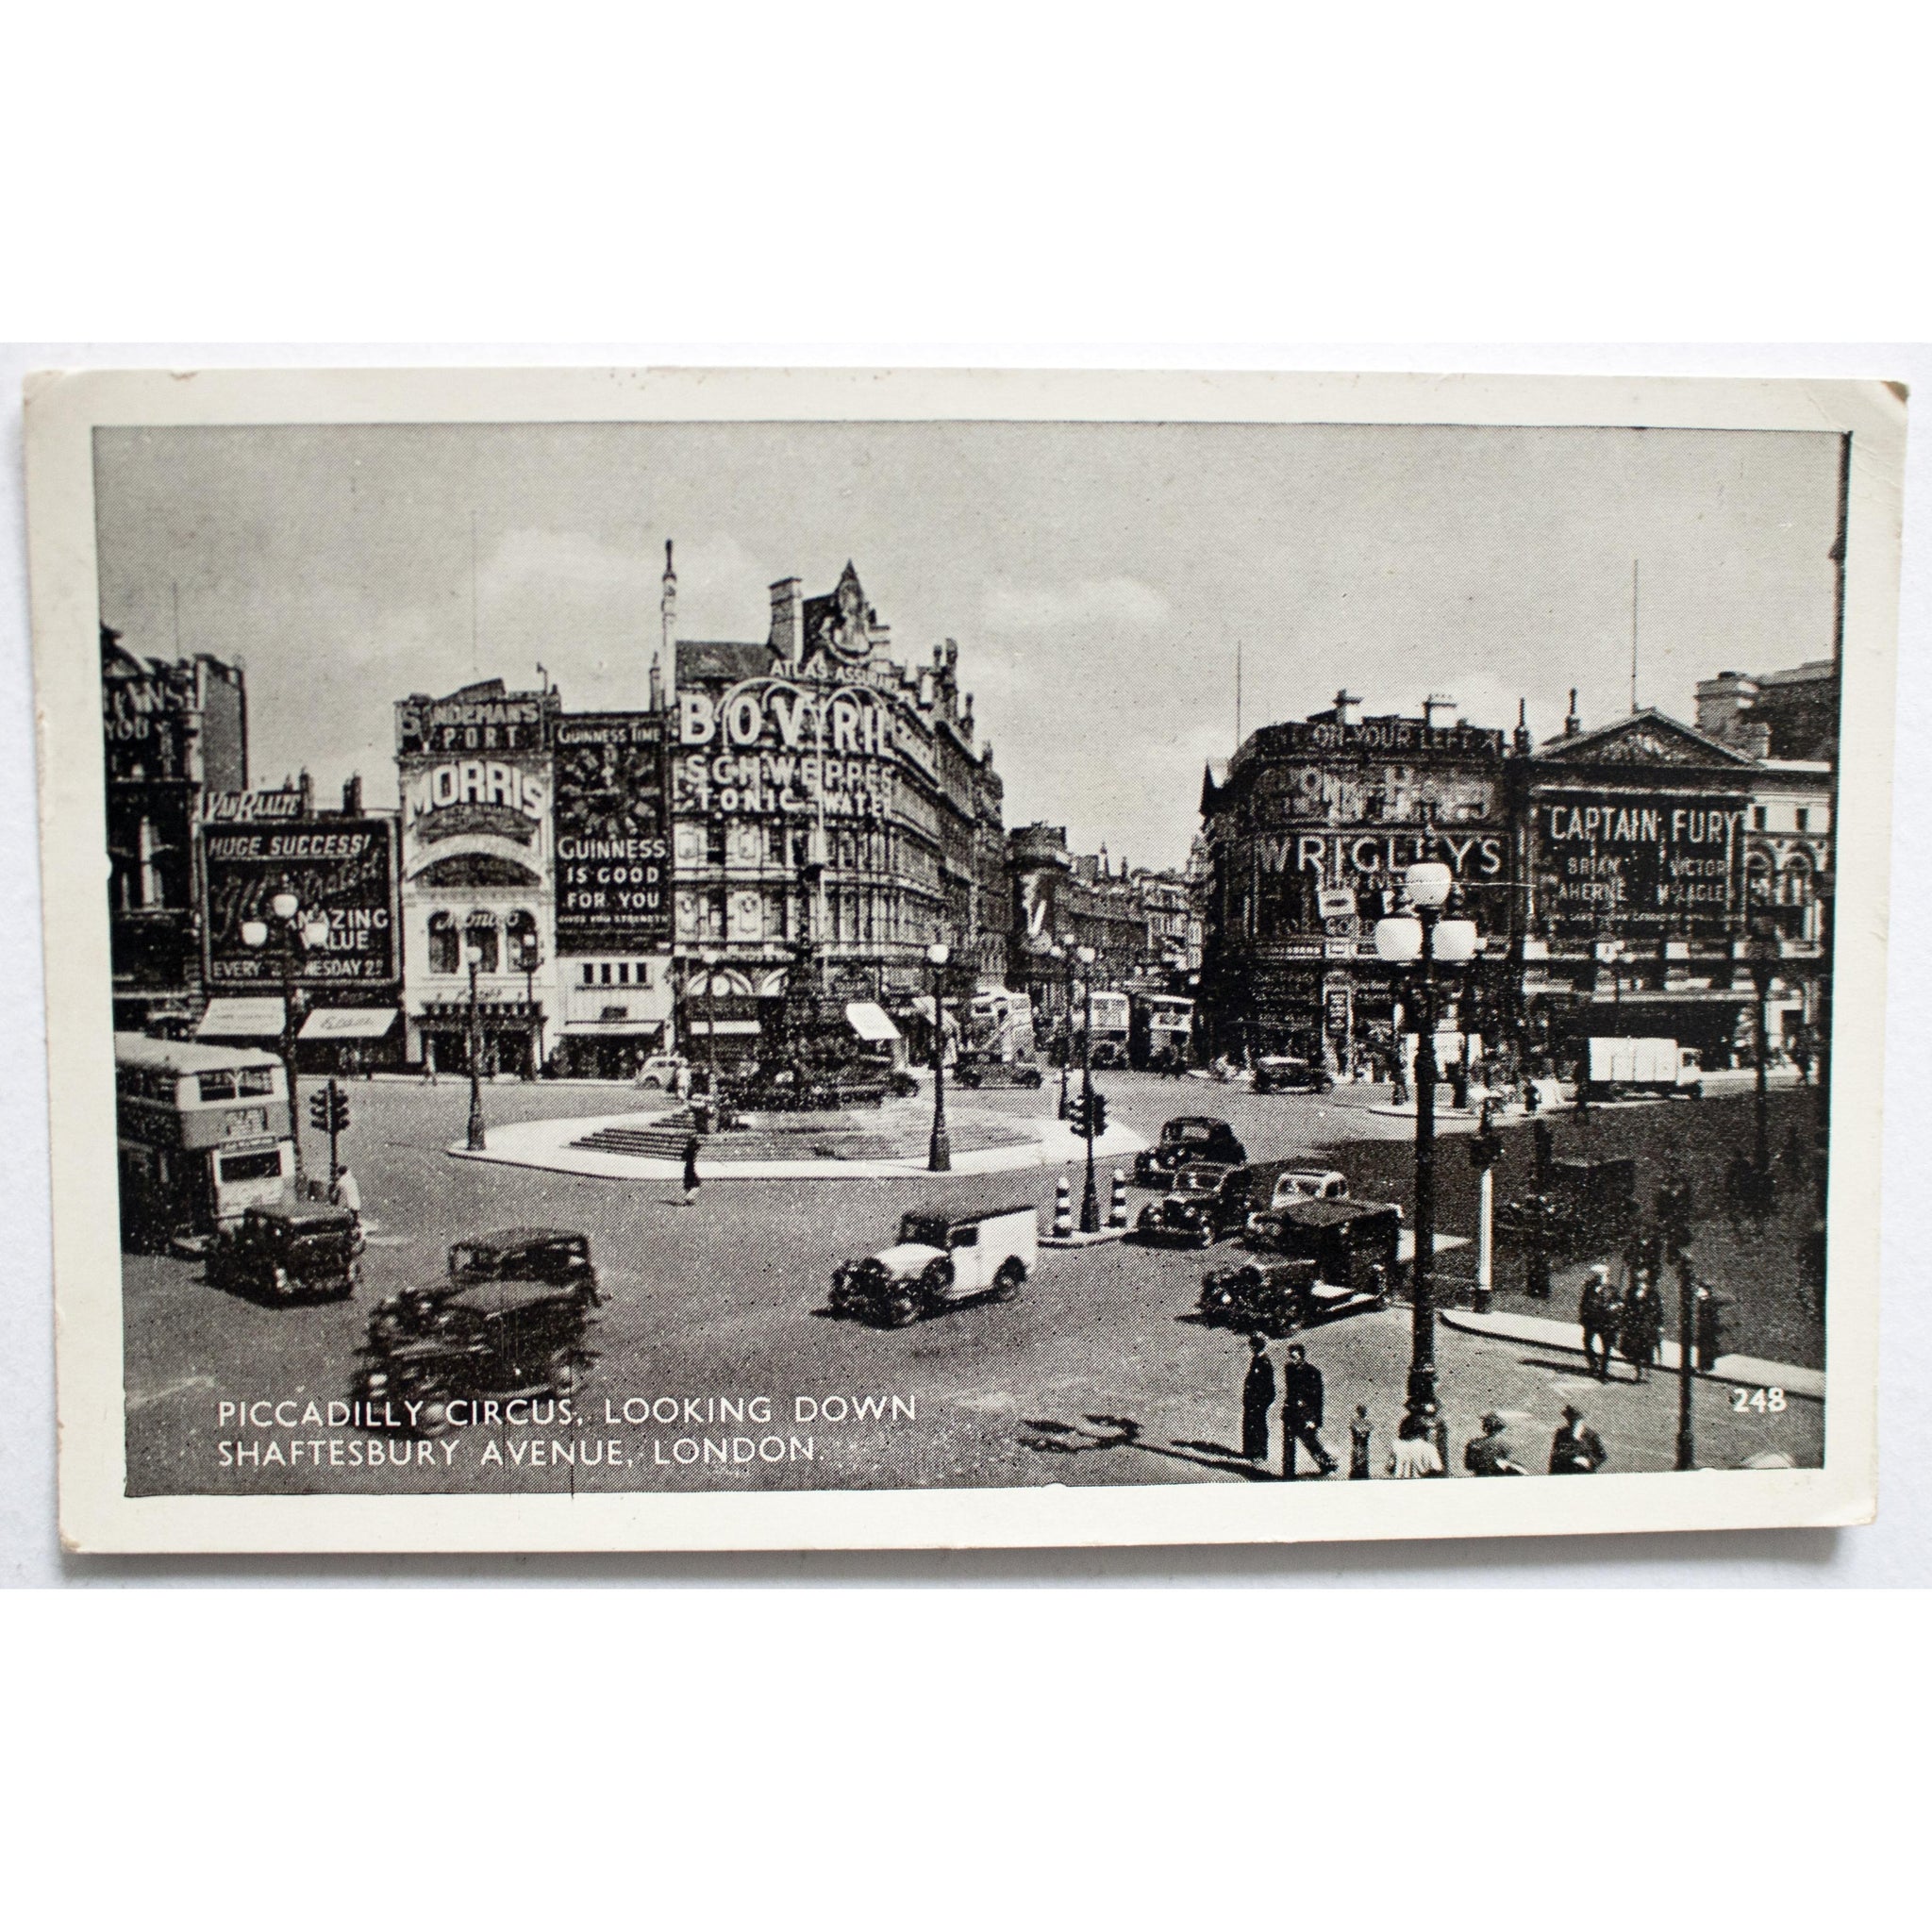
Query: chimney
[1432, 704]
[1524, 741]
[1754, 738]
[1346, 703]
[788, 637]
[1573, 724]
[352, 797]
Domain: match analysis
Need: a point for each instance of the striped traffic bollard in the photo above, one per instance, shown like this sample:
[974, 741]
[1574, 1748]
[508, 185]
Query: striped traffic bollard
[1062, 1208]
[1117, 1213]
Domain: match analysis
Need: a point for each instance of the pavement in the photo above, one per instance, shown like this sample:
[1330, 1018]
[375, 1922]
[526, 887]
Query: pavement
[1750, 1370]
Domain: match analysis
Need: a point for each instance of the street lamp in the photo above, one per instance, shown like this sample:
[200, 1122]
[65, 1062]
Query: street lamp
[938, 1157]
[297, 938]
[1417, 939]
[531, 956]
[474, 1138]
[1064, 961]
[1761, 960]
[1090, 1199]
[710, 964]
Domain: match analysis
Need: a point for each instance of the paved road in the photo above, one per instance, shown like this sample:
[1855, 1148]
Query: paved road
[1096, 1375]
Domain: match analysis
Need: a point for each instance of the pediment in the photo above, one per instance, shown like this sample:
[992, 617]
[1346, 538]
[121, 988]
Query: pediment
[1645, 737]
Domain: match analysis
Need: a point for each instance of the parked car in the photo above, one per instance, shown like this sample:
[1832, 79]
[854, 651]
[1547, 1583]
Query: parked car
[1205, 1202]
[488, 1336]
[939, 1261]
[1355, 1246]
[1188, 1137]
[1294, 1184]
[985, 1070]
[559, 1256]
[1280, 1073]
[1585, 1202]
[289, 1249]
[661, 1071]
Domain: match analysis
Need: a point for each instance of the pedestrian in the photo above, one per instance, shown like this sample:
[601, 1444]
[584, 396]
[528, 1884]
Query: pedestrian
[346, 1192]
[1536, 1264]
[1414, 1453]
[1257, 1398]
[1597, 1314]
[1439, 1437]
[1576, 1449]
[1359, 1431]
[1674, 1210]
[429, 1063]
[1487, 1454]
[1301, 1414]
[690, 1170]
[1642, 1325]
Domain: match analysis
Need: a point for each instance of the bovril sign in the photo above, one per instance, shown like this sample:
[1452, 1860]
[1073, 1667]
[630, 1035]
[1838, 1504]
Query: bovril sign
[768, 746]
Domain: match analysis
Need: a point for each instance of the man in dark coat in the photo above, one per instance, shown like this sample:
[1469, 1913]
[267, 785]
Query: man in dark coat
[1257, 1398]
[1576, 1449]
[1597, 1313]
[1301, 1414]
[690, 1170]
[1489, 1453]
[1642, 1327]
[1360, 1433]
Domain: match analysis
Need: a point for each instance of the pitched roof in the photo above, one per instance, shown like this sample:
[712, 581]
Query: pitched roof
[698, 661]
[1596, 745]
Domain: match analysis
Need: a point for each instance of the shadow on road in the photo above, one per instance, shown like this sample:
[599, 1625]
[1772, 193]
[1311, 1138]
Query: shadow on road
[1045, 1438]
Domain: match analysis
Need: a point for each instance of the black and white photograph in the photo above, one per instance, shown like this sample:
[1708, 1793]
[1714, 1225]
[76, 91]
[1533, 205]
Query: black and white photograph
[862, 966]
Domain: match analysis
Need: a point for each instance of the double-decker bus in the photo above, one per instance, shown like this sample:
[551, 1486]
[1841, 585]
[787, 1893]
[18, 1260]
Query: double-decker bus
[1112, 1024]
[204, 1132]
[1162, 1031]
[1002, 1025]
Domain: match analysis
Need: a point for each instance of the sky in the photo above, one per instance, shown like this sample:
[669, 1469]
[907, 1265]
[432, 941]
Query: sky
[1099, 579]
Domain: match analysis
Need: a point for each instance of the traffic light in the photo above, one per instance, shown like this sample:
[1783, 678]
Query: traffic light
[1076, 1116]
[328, 1111]
[1099, 1123]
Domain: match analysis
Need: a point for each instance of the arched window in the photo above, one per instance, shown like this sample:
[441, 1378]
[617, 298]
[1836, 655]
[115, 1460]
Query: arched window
[1794, 882]
[521, 948]
[1757, 880]
[480, 931]
[443, 950]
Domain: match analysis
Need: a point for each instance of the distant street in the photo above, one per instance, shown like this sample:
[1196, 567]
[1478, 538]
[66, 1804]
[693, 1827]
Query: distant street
[1097, 1373]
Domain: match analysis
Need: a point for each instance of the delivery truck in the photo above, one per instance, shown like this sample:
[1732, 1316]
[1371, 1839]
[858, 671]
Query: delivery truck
[1619, 1067]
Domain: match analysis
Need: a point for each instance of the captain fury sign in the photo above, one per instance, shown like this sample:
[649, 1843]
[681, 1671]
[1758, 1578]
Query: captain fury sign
[1666, 861]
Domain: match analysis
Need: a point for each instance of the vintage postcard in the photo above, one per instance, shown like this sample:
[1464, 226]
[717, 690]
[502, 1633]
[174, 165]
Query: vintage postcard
[744, 960]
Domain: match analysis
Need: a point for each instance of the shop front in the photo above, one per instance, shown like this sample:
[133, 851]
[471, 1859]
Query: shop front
[508, 1033]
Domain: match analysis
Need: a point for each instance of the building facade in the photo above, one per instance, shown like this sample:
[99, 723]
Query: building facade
[172, 731]
[474, 771]
[830, 807]
[1308, 830]
[1071, 899]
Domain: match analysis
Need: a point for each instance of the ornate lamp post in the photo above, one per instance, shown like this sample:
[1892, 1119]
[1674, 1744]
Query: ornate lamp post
[1089, 1198]
[1065, 963]
[1761, 956]
[938, 1155]
[296, 936]
[710, 964]
[474, 1138]
[1417, 939]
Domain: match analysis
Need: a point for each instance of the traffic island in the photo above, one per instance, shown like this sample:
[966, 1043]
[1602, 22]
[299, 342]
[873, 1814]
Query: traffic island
[835, 1144]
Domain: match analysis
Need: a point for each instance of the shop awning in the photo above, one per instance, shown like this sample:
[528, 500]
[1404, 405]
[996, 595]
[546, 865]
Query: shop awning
[922, 1005]
[723, 1026]
[869, 1020]
[636, 1029]
[249, 1019]
[348, 1023]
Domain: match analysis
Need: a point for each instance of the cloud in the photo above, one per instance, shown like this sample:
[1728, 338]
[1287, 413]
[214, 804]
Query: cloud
[1117, 603]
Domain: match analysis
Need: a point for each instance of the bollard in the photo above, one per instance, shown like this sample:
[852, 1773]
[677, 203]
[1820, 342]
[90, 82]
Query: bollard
[1062, 1208]
[1117, 1213]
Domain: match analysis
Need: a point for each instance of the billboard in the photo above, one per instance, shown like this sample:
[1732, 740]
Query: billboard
[343, 870]
[612, 833]
[478, 720]
[1649, 863]
[767, 747]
